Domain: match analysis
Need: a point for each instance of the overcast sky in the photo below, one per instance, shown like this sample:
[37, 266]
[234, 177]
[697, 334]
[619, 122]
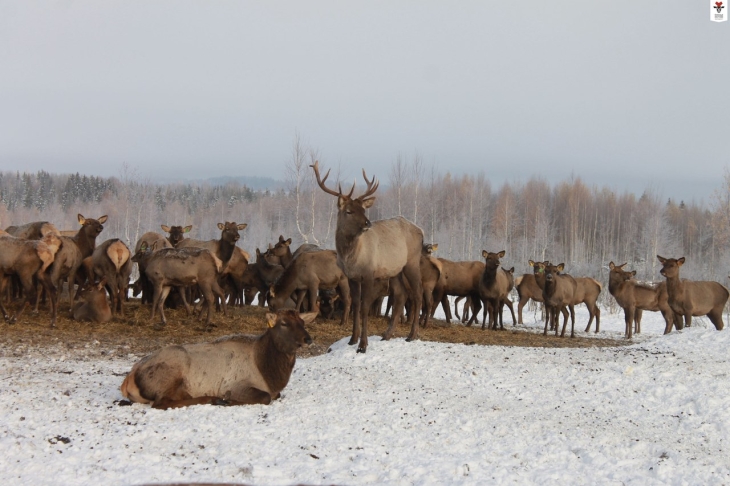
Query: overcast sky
[627, 93]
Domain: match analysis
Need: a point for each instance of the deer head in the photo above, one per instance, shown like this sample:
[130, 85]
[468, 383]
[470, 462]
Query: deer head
[351, 218]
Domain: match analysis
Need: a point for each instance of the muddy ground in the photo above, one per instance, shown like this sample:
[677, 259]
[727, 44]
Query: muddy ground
[135, 334]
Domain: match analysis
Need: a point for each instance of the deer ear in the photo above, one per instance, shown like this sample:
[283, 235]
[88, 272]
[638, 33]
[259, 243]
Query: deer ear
[680, 262]
[661, 259]
[434, 247]
[272, 292]
[102, 283]
[531, 263]
[165, 228]
[501, 253]
[187, 229]
[367, 203]
[485, 253]
[102, 219]
[611, 266]
[258, 252]
[511, 270]
[561, 267]
[143, 246]
[281, 238]
[633, 273]
[221, 226]
[288, 242]
[341, 202]
[82, 220]
[270, 319]
[242, 226]
[309, 317]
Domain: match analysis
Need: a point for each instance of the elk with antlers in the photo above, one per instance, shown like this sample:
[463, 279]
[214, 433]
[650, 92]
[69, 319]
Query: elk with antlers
[369, 250]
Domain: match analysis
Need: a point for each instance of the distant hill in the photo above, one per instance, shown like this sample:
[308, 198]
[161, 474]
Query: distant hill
[255, 183]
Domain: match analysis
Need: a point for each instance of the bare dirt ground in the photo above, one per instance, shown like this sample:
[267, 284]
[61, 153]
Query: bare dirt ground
[134, 333]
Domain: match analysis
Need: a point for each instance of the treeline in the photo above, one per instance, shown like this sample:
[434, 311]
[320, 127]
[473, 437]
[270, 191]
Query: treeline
[583, 226]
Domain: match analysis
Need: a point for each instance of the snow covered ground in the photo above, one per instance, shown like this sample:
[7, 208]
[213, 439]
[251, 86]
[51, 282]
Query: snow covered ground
[654, 412]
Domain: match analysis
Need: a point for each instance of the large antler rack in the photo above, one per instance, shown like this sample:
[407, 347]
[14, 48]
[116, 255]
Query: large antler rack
[372, 184]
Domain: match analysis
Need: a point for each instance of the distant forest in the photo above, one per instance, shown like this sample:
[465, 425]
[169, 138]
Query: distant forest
[583, 226]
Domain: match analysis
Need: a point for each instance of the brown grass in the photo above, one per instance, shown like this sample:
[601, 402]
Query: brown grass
[135, 334]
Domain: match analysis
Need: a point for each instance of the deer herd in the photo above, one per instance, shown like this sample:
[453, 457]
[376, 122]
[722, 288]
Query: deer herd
[371, 260]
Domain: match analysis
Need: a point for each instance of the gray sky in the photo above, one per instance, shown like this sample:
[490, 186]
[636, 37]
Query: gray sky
[626, 93]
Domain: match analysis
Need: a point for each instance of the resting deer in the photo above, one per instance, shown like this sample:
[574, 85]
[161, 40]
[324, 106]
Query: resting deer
[693, 298]
[370, 250]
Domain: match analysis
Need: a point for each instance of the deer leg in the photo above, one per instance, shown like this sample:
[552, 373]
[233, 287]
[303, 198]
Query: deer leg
[597, 311]
[161, 297]
[367, 295]
[511, 310]
[3, 287]
[629, 316]
[637, 321]
[456, 309]
[399, 298]
[412, 274]
[356, 293]
[52, 293]
[346, 299]
[715, 317]
[218, 291]
[520, 305]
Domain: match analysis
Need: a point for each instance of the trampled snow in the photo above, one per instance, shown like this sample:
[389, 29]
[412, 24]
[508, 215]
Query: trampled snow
[653, 412]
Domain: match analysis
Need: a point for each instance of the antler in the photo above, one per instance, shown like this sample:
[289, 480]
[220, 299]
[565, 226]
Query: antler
[372, 185]
[321, 181]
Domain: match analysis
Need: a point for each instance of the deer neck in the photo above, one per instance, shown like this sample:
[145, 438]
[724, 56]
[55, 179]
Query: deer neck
[225, 251]
[274, 364]
[85, 242]
[674, 286]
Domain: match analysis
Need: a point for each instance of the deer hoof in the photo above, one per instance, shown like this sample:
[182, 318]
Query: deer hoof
[361, 350]
[220, 402]
[352, 341]
[159, 326]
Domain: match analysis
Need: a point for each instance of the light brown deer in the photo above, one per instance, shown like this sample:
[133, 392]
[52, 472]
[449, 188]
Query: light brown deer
[29, 259]
[33, 231]
[431, 269]
[112, 261]
[460, 279]
[634, 298]
[693, 298]
[494, 285]
[369, 250]
[182, 267]
[234, 370]
[527, 288]
[587, 292]
[154, 241]
[311, 272]
[73, 251]
[559, 293]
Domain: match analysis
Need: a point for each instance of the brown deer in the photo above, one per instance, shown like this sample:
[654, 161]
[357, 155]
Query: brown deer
[154, 241]
[175, 234]
[431, 269]
[370, 250]
[693, 298]
[234, 275]
[312, 271]
[92, 304]
[223, 247]
[28, 259]
[33, 231]
[634, 297]
[459, 279]
[111, 261]
[527, 288]
[494, 285]
[587, 292]
[181, 267]
[282, 250]
[72, 253]
[234, 370]
[559, 293]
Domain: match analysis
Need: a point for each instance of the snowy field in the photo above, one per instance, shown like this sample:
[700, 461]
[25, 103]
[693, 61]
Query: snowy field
[654, 412]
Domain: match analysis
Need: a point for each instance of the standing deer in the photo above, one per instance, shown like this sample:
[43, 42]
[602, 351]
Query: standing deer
[369, 250]
[73, 251]
[111, 260]
[494, 286]
[693, 298]
[634, 298]
[559, 293]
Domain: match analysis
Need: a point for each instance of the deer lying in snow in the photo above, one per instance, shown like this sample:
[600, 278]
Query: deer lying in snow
[234, 370]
